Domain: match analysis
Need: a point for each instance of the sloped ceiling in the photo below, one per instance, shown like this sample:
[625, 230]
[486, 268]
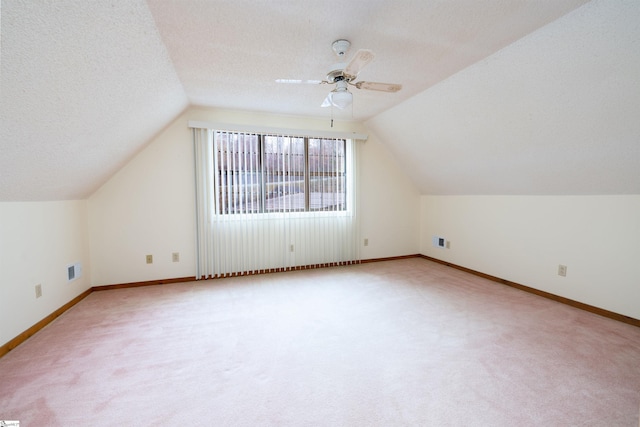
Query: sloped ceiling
[555, 113]
[86, 84]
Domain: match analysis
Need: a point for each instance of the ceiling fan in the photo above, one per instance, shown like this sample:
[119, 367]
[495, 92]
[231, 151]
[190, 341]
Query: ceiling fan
[344, 75]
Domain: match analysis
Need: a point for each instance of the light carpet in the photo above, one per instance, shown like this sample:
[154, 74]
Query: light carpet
[397, 343]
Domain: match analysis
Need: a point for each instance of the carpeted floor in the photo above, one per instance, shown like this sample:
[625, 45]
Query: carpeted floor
[397, 343]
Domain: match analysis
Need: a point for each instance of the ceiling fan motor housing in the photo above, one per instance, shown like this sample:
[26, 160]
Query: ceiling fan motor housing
[336, 73]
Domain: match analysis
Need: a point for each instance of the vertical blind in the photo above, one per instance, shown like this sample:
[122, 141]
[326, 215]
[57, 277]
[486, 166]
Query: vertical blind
[273, 202]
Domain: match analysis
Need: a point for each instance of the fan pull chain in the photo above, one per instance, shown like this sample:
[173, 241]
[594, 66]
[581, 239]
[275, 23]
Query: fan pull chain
[332, 115]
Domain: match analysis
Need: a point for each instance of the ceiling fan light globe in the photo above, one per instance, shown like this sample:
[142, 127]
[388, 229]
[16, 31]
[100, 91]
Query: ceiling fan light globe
[341, 99]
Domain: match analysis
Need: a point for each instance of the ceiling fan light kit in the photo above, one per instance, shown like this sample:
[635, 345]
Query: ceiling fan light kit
[341, 97]
[344, 74]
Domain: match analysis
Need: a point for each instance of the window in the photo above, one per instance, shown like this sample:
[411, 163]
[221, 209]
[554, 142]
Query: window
[259, 173]
[270, 202]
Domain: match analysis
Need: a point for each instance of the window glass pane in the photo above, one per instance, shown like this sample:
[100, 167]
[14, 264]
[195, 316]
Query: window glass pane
[238, 169]
[284, 174]
[327, 179]
[266, 173]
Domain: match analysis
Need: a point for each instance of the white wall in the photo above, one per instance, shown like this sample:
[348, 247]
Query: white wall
[148, 206]
[524, 238]
[389, 203]
[38, 240]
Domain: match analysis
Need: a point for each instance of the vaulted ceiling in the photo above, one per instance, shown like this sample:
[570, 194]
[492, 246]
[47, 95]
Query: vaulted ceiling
[499, 96]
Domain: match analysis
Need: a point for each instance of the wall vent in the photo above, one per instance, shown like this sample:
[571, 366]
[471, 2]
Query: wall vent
[439, 242]
[74, 271]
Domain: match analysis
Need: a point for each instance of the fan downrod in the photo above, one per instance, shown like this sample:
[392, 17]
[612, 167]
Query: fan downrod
[335, 74]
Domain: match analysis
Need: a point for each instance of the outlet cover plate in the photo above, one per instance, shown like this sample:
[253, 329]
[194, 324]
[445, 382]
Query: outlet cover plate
[562, 270]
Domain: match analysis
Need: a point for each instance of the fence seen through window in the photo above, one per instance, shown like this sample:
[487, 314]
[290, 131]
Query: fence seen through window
[267, 173]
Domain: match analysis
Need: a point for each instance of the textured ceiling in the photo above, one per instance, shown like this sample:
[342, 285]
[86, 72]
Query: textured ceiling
[230, 53]
[555, 113]
[86, 84]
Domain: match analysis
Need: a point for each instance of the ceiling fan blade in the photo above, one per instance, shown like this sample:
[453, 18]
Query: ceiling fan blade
[298, 81]
[358, 62]
[327, 101]
[382, 87]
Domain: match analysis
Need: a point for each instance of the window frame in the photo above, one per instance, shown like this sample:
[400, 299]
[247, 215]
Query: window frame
[341, 173]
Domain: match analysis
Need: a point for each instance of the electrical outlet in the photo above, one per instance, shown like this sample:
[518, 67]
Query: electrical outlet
[562, 270]
[175, 257]
[366, 242]
[38, 290]
[149, 259]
